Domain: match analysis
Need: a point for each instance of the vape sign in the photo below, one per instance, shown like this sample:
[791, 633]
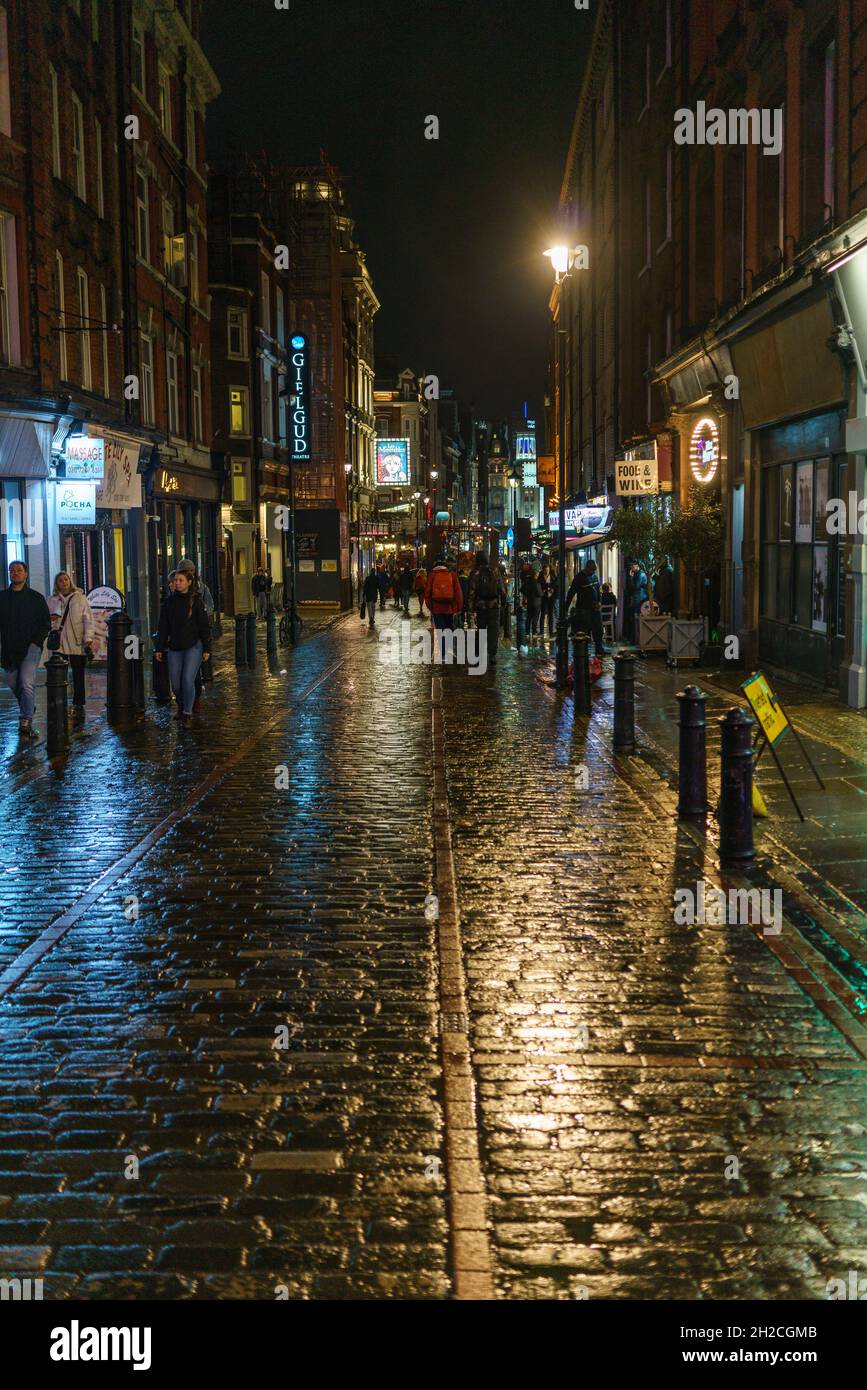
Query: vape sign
[299, 389]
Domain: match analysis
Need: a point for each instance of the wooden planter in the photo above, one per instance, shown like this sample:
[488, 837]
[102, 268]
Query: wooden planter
[653, 632]
[686, 639]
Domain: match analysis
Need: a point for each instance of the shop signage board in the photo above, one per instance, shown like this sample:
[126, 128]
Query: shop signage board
[636, 477]
[76, 504]
[774, 724]
[120, 488]
[104, 600]
[84, 458]
[299, 387]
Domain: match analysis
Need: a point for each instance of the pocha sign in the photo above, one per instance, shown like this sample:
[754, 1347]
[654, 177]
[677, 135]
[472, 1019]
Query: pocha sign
[76, 504]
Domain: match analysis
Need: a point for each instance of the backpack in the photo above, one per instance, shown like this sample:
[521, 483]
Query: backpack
[486, 585]
[441, 586]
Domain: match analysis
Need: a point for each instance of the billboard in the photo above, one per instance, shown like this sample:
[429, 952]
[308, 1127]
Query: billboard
[299, 393]
[392, 462]
[525, 447]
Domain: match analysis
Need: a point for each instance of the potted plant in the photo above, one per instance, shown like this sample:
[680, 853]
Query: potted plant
[693, 536]
[637, 531]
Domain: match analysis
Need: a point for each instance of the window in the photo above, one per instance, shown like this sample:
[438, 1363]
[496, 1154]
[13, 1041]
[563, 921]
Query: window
[191, 136]
[237, 321]
[75, 6]
[103, 314]
[734, 174]
[239, 414]
[267, 402]
[669, 333]
[240, 490]
[174, 247]
[146, 385]
[648, 228]
[165, 100]
[142, 218]
[646, 81]
[265, 303]
[649, 375]
[172, 392]
[817, 134]
[100, 190]
[665, 36]
[78, 179]
[772, 202]
[5, 100]
[10, 337]
[194, 265]
[94, 20]
[138, 59]
[55, 124]
[669, 179]
[198, 422]
[281, 320]
[60, 299]
[84, 327]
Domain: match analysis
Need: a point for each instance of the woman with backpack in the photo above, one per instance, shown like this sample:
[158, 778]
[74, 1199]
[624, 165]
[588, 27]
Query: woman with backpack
[71, 632]
[184, 637]
[419, 586]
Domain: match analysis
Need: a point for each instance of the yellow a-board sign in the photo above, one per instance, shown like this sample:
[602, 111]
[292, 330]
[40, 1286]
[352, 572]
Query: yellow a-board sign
[763, 703]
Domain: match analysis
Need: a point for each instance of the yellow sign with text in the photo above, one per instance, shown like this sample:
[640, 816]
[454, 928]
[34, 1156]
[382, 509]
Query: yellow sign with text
[763, 703]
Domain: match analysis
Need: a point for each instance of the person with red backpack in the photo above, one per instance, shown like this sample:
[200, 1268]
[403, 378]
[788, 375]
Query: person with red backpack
[444, 598]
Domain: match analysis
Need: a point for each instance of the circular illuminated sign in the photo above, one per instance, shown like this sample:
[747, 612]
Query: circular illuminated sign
[298, 341]
[704, 451]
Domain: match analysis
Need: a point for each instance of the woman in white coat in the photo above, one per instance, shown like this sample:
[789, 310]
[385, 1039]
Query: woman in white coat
[72, 618]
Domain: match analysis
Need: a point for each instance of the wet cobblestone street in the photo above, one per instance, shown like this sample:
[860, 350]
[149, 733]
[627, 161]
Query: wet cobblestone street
[223, 1071]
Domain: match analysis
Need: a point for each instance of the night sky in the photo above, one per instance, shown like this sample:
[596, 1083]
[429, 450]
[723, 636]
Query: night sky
[453, 229]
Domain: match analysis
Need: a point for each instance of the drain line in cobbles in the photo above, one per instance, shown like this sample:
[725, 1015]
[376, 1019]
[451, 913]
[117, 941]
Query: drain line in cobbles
[60, 925]
[467, 1195]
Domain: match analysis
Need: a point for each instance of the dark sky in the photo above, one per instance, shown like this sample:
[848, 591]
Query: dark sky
[453, 229]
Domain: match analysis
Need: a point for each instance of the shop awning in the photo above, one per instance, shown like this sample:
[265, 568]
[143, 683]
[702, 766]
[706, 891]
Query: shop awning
[25, 447]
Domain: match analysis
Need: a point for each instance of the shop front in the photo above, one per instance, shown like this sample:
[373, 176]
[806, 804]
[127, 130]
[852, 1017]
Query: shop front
[25, 451]
[183, 523]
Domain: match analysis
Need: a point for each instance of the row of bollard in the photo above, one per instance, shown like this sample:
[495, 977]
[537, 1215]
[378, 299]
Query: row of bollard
[735, 813]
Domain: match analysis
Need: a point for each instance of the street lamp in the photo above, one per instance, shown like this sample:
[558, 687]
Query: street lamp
[514, 484]
[562, 258]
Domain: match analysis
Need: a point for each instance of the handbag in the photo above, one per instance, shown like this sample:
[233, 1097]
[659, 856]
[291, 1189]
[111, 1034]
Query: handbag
[53, 640]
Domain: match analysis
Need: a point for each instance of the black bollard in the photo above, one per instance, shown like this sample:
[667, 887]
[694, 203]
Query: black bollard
[624, 703]
[240, 639]
[581, 672]
[251, 639]
[271, 632]
[160, 677]
[692, 771]
[119, 685]
[736, 788]
[57, 728]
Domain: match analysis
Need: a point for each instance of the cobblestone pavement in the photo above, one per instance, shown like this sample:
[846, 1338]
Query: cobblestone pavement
[221, 1073]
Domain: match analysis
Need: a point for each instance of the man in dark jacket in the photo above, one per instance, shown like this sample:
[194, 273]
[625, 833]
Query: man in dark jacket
[404, 585]
[261, 587]
[24, 625]
[485, 593]
[636, 595]
[383, 583]
[663, 586]
[588, 614]
[533, 597]
[370, 591]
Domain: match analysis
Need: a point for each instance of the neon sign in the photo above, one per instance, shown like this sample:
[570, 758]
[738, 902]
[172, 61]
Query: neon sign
[300, 390]
[704, 451]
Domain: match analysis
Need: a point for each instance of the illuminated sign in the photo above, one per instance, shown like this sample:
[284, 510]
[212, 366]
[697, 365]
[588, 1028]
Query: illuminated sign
[392, 462]
[580, 519]
[76, 504]
[525, 447]
[704, 451]
[299, 389]
[637, 472]
[85, 458]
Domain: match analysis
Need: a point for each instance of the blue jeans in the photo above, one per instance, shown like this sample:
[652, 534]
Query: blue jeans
[443, 622]
[21, 680]
[183, 667]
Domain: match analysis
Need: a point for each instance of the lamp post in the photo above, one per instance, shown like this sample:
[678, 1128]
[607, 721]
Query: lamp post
[514, 483]
[562, 259]
[416, 497]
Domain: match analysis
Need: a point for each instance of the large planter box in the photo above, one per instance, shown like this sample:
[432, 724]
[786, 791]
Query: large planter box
[686, 639]
[653, 632]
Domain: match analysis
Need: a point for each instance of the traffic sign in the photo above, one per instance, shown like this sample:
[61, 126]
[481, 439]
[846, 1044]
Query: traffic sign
[763, 703]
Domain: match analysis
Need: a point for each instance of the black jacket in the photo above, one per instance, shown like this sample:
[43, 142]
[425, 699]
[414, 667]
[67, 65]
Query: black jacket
[585, 591]
[24, 620]
[179, 629]
[370, 588]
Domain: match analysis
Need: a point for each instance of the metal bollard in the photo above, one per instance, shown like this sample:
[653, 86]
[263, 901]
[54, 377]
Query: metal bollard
[736, 788]
[624, 703]
[581, 672]
[251, 639]
[119, 685]
[271, 632]
[520, 628]
[240, 639]
[692, 768]
[57, 728]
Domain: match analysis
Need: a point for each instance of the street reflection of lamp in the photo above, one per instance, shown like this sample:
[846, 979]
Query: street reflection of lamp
[562, 258]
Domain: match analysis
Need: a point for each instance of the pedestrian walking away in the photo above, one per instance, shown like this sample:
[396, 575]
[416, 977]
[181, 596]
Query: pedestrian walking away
[383, 583]
[486, 595]
[588, 612]
[419, 585]
[24, 625]
[444, 600]
[72, 628]
[405, 584]
[184, 639]
[261, 586]
[369, 594]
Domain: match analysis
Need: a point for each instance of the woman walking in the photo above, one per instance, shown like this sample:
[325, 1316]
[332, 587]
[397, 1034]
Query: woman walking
[184, 636]
[71, 632]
